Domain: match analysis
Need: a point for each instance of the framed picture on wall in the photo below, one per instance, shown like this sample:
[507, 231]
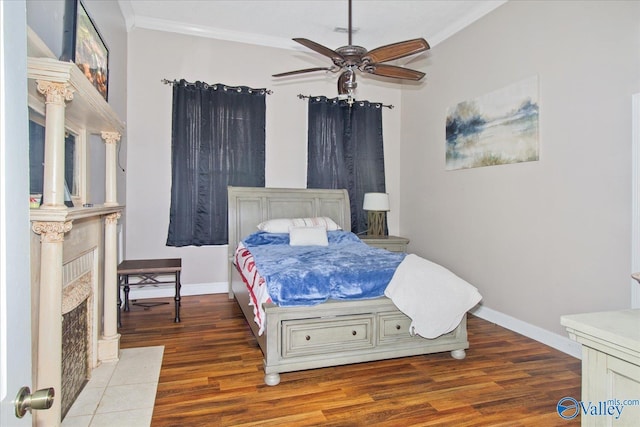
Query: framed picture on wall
[83, 45]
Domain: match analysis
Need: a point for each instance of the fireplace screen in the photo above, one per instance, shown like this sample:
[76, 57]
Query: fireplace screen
[74, 355]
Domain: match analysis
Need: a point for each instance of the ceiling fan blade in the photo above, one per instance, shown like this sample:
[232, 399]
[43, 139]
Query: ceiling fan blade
[398, 50]
[394, 72]
[323, 50]
[306, 70]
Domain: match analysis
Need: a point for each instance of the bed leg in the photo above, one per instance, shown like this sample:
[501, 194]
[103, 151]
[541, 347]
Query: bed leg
[459, 354]
[272, 379]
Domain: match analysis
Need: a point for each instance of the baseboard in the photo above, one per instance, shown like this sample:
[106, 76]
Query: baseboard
[544, 336]
[188, 289]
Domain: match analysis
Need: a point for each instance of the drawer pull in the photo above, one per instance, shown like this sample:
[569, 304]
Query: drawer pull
[398, 327]
[354, 333]
[308, 338]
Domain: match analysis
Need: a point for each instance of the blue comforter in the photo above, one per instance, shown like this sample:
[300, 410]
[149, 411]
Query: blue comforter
[309, 275]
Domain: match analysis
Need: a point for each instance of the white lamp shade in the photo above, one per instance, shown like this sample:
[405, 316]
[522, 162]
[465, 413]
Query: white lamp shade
[376, 202]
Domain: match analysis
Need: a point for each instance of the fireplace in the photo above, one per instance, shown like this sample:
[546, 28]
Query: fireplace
[75, 369]
[78, 317]
[65, 240]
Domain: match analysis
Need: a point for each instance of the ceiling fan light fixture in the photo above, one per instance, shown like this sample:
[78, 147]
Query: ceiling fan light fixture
[351, 57]
[347, 82]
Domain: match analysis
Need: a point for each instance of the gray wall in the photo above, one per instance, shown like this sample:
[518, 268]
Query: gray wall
[545, 238]
[155, 55]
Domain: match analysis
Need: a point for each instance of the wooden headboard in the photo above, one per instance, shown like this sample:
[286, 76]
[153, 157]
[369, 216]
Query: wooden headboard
[249, 206]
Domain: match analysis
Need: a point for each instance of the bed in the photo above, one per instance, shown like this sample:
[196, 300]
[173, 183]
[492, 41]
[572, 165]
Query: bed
[336, 332]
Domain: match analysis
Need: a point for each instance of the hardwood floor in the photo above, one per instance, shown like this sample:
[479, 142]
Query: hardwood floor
[212, 376]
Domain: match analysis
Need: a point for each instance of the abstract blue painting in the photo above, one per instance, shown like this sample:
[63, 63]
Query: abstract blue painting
[498, 128]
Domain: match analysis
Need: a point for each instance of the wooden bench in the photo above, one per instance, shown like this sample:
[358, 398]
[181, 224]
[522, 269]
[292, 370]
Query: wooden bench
[147, 272]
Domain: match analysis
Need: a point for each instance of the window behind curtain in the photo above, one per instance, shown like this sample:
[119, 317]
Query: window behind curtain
[346, 151]
[218, 139]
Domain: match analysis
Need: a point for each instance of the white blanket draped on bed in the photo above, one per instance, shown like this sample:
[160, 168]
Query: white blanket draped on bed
[433, 297]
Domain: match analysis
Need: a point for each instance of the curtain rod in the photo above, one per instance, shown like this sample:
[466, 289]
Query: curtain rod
[350, 100]
[173, 82]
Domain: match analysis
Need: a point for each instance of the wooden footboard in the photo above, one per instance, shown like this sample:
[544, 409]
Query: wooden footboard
[339, 333]
[343, 332]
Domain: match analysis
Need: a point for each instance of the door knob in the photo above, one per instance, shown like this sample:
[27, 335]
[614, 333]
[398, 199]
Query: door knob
[26, 401]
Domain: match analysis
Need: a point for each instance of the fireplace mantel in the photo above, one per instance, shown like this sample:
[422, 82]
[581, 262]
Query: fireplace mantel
[72, 214]
[89, 109]
[66, 240]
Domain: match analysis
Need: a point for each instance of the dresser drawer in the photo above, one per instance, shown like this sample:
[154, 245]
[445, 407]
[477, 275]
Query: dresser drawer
[393, 327]
[314, 336]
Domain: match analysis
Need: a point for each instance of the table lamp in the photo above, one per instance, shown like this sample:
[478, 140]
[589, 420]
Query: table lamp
[377, 205]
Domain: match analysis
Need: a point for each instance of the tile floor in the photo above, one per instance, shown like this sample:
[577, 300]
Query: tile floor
[119, 393]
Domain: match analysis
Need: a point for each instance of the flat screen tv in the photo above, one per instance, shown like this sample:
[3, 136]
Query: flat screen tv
[83, 45]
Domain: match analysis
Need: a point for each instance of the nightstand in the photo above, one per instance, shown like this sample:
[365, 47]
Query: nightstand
[390, 243]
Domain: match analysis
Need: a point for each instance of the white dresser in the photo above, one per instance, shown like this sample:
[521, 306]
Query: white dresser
[610, 365]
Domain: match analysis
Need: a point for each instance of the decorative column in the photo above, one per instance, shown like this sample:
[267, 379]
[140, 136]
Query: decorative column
[55, 96]
[49, 355]
[111, 140]
[109, 344]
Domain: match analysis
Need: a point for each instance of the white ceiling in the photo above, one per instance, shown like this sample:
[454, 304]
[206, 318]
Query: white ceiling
[274, 23]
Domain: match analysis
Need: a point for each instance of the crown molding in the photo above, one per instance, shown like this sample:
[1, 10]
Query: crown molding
[213, 33]
[148, 23]
[132, 21]
[465, 21]
[127, 13]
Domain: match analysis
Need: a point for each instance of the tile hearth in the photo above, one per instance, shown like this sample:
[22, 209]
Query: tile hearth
[119, 393]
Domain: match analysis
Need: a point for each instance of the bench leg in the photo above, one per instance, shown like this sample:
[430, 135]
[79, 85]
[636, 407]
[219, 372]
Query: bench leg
[177, 297]
[126, 292]
[119, 302]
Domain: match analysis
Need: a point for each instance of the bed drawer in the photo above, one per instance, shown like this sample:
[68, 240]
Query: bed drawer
[393, 327]
[316, 336]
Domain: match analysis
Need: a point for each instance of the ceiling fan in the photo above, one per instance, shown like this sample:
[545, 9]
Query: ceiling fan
[348, 59]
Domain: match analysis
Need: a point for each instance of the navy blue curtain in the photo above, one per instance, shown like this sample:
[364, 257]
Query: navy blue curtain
[217, 139]
[345, 150]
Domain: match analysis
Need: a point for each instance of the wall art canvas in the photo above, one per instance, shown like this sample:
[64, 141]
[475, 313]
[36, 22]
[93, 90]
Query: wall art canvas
[498, 128]
[83, 45]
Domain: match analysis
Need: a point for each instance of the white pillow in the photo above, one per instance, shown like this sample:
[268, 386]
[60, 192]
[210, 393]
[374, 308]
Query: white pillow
[282, 225]
[308, 236]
